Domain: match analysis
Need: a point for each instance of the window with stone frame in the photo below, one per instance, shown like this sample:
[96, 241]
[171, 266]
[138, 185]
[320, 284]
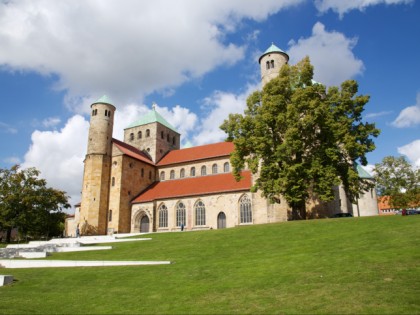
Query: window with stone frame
[245, 210]
[139, 135]
[163, 216]
[226, 167]
[214, 169]
[172, 174]
[147, 133]
[182, 173]
[200, 213]
[162, 175]
[180, 214]
[131, 136]
[192, 171]
[203, 170]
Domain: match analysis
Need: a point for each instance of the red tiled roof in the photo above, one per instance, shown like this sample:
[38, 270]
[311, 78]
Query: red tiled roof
[132, 151]
[193, 186]
[202, 152]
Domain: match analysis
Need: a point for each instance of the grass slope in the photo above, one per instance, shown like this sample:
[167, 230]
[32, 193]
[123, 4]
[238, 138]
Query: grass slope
[360, 265]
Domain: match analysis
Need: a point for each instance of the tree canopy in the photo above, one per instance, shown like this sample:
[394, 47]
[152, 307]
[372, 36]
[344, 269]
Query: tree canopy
[301, 139]
[28, 204]
[399, 181]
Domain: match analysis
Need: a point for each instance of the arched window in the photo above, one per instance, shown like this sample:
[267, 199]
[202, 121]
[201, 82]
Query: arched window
[245, 209]
[272, 63]
[180, 214]
[147, 133]
[192, 171]
[167, 137]
[161, 135]
[110, 215]
[163, 216]
[182, 173]
[106, 112]
[131, 136]
[173, 140]
[113, 181]
[109, 113]
[214, 169]
[162, 175]
[142, 172]
[200, 213]
[172, 174]
[226, 167]
[203, 170]
[267, 65]
[139, 135]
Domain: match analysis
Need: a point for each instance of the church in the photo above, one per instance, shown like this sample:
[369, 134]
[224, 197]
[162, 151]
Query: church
[147, 183]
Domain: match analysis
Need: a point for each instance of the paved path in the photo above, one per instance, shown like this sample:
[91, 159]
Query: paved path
[18, 263]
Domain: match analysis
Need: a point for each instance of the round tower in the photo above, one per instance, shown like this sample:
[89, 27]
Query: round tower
[97, 171]
[271, 62]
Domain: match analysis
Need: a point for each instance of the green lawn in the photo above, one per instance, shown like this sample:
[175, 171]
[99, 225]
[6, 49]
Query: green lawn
[347, 266]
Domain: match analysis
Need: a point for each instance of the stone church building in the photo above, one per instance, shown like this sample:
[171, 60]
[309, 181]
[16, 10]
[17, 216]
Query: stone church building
[148, 183]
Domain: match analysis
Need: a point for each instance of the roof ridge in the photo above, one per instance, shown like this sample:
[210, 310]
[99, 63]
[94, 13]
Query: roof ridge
[132, 149]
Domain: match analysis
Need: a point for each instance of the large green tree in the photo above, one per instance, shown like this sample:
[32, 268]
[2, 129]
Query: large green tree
[28, 204]
[398, 180]
[302, 139]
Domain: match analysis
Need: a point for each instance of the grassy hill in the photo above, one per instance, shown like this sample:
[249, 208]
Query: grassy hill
[356, 265]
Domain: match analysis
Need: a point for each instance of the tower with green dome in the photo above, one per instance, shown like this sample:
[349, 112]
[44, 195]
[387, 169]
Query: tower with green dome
[271, 62]
[97, 168]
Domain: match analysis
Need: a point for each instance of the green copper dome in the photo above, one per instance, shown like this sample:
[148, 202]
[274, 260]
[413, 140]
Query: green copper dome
[272, 49]
[151, 117]
[362, 172]
[104, 100]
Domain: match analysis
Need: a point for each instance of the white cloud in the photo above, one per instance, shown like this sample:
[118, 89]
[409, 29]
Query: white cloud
[409, 116]
[125, 48]
[412, 151]
[343, 6]
[221, 104]
[59, 155]
[51, 122]
[379, 114]
[330, 53]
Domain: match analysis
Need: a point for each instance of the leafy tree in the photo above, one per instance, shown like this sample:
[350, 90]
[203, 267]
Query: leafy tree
[302, 140]
[396, 178]
[28, 204]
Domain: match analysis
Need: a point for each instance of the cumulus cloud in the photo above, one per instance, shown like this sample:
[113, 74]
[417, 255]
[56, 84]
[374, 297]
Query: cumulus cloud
[409, 116]
[341, 7]
[59, 155]
[412, 151]
[51, 122]
[330, 53]
[124, 48]
[219, 105]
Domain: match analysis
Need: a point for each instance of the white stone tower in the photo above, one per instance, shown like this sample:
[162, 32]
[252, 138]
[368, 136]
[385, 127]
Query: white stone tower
[271, 62]
[96, 177]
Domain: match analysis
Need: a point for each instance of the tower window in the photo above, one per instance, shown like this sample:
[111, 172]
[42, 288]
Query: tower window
[267, 65]
[272, 63]
[113, 181]
[150, 174]
[139, 135]
[110, 216]
[131, 136]
[167, 137]
[161, 135]
[142, 172]
[106, 112]
[173, 140]
[147, 133]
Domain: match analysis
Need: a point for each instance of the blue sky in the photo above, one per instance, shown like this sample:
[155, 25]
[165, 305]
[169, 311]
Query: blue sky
[198, 60]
